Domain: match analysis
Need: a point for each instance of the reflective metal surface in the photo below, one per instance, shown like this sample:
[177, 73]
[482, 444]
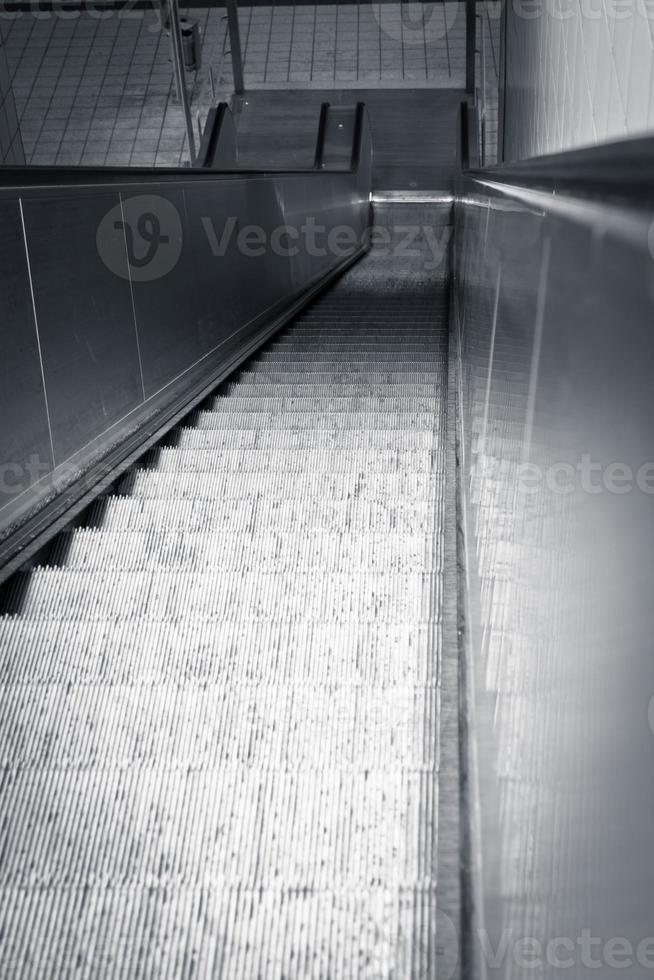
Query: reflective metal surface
[84, 318]
[145, 287]
[555, 349]
[25, 428]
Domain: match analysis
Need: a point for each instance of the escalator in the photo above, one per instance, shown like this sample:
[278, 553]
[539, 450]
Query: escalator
[325, 620]
[222, 681]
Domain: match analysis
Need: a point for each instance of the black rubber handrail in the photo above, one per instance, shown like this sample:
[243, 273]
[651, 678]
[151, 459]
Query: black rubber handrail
[320, 139]
[210, 136]
[359, 119]
[34, 177]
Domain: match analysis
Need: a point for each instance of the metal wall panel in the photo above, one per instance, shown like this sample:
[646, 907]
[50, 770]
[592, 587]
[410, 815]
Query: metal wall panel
[85, 317]
[235, 283]
[25, 452]
[556, 354]
[165, 295]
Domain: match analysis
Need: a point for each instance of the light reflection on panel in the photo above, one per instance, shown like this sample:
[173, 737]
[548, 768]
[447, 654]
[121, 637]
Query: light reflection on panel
[24, 434]
[557, 356]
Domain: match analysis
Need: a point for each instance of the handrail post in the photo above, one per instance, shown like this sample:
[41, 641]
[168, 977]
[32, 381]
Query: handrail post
[359, 121]
[235, 45]
[180, 77]
[320, 139]
[471, 45]
[482, 87]
[501, 119]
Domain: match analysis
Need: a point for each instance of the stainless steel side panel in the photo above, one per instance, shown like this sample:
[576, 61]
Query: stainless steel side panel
[553, 333]
[24, 433]
[84, 319]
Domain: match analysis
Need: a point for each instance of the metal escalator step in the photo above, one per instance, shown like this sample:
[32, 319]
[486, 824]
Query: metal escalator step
[69, 652]
[222, 810]
[149, 734]
[349, 366]
[304, 379]
[368, 387]
[226, 515]
[332, 460]
[345, 351]
[274, 931]
[287, 440]
[93, 549]
[332, 406]
[157, 594]
[176, 482]
[320, 423]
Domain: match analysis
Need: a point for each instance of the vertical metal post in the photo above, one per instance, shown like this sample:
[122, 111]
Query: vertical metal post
[180, 76]
[501, 122]
[235, 45]
[482, 115]
[471, 45]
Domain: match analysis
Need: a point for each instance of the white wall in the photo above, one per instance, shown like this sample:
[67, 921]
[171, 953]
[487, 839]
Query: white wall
[578, 72]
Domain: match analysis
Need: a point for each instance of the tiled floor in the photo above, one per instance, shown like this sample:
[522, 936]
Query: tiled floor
[488, 64]
[94, 91]
[388, 43]
[97, 87]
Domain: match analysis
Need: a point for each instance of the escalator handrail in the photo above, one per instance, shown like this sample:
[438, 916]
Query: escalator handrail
[14, 178]
[619, 171]
[211, 137]
[320, 138]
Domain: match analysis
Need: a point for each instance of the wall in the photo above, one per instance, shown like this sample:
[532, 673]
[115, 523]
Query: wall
[552, 332]
[11, 147]
[578, 72]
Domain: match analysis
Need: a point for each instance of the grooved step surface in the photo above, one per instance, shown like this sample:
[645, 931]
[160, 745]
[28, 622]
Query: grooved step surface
[220, 729]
